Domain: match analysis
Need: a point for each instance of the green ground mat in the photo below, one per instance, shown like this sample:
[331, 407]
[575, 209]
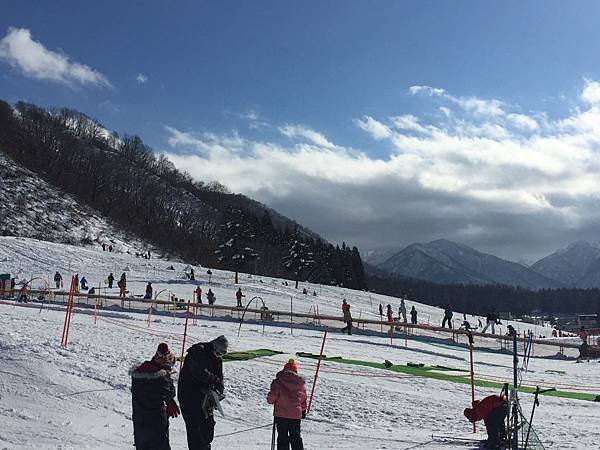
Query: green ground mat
[250, 354]
[436, 374]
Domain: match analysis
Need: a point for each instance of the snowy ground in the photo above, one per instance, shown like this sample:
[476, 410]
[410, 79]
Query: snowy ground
[78, 398]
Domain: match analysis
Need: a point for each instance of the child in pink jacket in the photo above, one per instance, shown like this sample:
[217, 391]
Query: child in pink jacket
[288, 395]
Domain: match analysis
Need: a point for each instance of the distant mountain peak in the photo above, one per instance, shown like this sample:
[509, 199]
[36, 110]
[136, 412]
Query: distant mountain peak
[445, 261]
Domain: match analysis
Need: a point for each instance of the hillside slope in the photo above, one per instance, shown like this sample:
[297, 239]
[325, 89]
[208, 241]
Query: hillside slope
[577, 265]
[37, 209]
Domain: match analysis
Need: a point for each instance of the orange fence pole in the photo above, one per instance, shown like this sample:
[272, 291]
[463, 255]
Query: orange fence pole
[187, 314]
[96, 312]
[291, 316]
[470, 336]
[62, 339]
[312, 391]
[150, 314]
[70, 310]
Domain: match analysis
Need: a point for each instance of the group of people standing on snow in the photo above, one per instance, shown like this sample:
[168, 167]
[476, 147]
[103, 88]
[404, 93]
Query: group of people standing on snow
[200, 389]
[389, 313]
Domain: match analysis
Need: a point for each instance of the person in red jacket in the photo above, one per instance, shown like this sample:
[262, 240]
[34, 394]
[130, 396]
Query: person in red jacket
[492, 410]
[238, 296]
[288, 396]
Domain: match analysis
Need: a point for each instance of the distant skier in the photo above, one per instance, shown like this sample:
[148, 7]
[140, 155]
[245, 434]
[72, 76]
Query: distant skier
[84, 285]
[492, 410]
[447, 316]
[110, 248]
[413, 315]
[110, 279]
[76, 283]
[23, 294]
[103, 247]
[200, 381]
[153, 400]
[13, 284]
[149, 290]
[288, 396]
[238, 296]
[57, 279]
[402, 310]
[122, 285]
[347, 317]
[491, 319]
[192, 275]
[210, 296]
[390, 313]
[198, 293]
[381, 309]
[209, 273]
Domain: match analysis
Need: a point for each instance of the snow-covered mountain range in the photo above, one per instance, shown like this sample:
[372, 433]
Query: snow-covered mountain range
[443, 261]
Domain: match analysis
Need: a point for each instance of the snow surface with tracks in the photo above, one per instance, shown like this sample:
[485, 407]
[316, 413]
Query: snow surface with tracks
[78, 397]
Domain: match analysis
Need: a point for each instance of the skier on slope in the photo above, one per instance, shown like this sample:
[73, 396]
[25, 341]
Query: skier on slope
[110, 278]
[447, 316]
[491, 319]
[288, 396]
[238, 296]
[200, 380]
[402, 310]
[390, 313]
[149, 290]
[380, 309]
[57, 279]
[23, 294]
[210, 296]
[153, 399]
[84, 286]
[492, 410]
[198, 293]
[413, 315]
[122, 285]
[347, 317]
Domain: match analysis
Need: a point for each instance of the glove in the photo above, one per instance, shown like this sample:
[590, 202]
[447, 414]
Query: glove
[172, 409]
[304, 414]
[217, 384]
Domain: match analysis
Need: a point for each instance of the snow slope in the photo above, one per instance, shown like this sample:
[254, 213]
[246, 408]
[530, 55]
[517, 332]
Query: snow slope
[78, 398]
[36, 209]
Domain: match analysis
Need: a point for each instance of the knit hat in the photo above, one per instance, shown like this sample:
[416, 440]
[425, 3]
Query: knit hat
[470, 414]
[220, 346]
[163, 356]
[291, 365]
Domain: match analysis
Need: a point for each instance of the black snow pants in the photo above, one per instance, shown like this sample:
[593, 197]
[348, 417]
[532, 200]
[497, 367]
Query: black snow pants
[348, 327]
[494, 425]
[447, 319]
[288, 434]
[200, 431]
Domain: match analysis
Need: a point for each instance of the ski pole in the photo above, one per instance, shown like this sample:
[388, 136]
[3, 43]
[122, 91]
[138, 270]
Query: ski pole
[536, 402]
[273, 436]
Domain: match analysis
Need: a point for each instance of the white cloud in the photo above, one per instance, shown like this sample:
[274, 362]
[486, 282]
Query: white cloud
[375, 128]
[408, 122]
[591, 92]
[522, 184]
[141, 78]
[19, 50]
[295, 131]
[428, 90]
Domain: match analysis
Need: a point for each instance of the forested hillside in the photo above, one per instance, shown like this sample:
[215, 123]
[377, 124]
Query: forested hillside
[125, 181]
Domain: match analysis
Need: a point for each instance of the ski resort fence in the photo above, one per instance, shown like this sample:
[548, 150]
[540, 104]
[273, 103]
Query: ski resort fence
[298, 316]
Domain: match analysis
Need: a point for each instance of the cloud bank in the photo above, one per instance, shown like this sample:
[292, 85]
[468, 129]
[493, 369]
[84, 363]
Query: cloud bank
[30, 57]
[474, 170]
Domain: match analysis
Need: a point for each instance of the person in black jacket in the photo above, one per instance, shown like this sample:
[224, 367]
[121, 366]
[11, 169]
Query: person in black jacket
[153, 399]
[200, 379]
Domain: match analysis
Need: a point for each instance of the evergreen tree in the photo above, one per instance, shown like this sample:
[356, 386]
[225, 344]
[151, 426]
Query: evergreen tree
[235, 252]
[299, 257]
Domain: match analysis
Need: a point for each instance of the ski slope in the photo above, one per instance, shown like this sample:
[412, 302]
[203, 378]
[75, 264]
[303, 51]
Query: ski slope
[78, 397]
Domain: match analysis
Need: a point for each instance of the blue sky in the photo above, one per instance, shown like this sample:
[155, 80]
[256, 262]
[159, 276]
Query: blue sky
[304, 89]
